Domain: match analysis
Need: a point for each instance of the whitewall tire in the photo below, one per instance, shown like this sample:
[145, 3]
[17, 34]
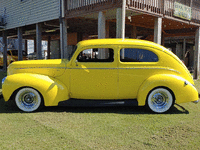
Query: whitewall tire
[28, 99]
[160, 100]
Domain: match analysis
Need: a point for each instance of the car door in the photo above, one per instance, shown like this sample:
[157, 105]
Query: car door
[136, 64]
[94, 74]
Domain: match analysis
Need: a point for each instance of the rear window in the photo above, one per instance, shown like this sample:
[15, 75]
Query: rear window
[137, 55]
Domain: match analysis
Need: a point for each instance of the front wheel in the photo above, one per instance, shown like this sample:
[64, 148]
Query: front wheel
[28, 99]
[160, 100]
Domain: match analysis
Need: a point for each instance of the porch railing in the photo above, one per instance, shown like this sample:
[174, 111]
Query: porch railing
[196, 14]
[77, 4]
[154, 6]
[160, 7]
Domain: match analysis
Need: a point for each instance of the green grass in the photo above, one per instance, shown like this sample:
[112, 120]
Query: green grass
[100, 128]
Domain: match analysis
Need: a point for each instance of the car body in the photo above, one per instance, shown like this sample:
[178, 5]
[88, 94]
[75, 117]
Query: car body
[103, 72]
[12, 55]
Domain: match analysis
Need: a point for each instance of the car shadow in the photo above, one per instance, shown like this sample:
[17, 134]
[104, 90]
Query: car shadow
[113, 109]
[10, 107]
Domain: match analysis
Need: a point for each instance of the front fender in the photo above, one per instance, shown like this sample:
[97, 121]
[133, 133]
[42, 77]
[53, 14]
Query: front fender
[52, 90]
[182, 92]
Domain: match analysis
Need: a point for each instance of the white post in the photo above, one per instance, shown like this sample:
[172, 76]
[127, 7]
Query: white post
[101, 32]
[123, 18]
[101, 25]
[119, 23]
[63, 32]
[158, 30]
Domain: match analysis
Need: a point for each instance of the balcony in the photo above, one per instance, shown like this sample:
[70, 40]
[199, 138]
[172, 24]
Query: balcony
[76, 8]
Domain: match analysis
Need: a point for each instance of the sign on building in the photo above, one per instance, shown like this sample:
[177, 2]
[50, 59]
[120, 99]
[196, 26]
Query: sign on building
[182, 11]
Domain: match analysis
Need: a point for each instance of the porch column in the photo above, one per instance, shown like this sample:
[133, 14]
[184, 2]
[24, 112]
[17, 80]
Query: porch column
[63, 38]
[39, 40]
[102, 32]
[134, 32]
[20, 57]
[184, 49]
[26, 46]
[196, 53]
[101, 25]
[35, 45]
[179, 50]
[107, 29]
[163, 39]
[158, 30]
[4, 50]
[48, 47]
[120, 31]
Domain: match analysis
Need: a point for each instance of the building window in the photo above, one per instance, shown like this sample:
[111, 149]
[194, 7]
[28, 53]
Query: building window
[137, 55]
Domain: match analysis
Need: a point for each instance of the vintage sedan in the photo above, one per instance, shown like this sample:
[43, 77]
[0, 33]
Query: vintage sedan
[103, 72]
[12, 55]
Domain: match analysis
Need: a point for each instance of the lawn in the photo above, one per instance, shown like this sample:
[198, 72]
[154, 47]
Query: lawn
[100, 128]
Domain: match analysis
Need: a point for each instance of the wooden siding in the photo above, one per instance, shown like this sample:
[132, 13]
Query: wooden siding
[29, 11]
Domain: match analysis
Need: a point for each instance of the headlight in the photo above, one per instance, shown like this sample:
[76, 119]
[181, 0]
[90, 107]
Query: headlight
[3, 80]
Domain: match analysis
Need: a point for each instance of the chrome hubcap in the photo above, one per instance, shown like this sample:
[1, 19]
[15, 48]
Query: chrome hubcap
[28, 100]
[159, 100]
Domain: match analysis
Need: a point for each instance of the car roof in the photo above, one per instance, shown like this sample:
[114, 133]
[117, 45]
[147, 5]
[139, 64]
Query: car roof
[138, 42]
[120, 42]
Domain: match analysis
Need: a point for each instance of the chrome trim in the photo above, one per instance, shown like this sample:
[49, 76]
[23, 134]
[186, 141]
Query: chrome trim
[95, 68]
[195, 101]
[130, 68]
[42, 68]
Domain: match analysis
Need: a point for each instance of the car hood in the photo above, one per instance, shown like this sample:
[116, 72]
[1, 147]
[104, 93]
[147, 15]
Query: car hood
[51, 68]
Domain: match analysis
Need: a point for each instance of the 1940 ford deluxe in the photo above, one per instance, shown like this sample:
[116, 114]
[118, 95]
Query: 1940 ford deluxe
[103, 72]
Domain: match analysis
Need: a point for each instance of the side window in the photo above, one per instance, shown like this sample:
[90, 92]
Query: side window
[137, 55]
[96, 55]
[8, 52]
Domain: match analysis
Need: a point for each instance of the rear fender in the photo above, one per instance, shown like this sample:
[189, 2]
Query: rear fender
[182, 90]
[52, 90]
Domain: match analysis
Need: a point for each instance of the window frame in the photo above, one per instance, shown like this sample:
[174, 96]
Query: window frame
[138, 47]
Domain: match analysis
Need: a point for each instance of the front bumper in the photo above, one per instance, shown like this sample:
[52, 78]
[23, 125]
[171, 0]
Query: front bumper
[196, 100]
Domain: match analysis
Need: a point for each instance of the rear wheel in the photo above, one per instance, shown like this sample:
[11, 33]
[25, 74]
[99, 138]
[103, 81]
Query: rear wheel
[160, 100]
[28, 99]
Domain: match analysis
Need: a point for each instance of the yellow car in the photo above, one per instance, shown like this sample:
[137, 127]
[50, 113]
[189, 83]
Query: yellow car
[12, 55]
[103, 72]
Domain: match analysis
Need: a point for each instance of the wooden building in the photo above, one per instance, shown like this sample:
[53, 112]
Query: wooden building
[172, 23]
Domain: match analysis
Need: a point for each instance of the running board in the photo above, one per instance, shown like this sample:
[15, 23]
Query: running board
[97, 103]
